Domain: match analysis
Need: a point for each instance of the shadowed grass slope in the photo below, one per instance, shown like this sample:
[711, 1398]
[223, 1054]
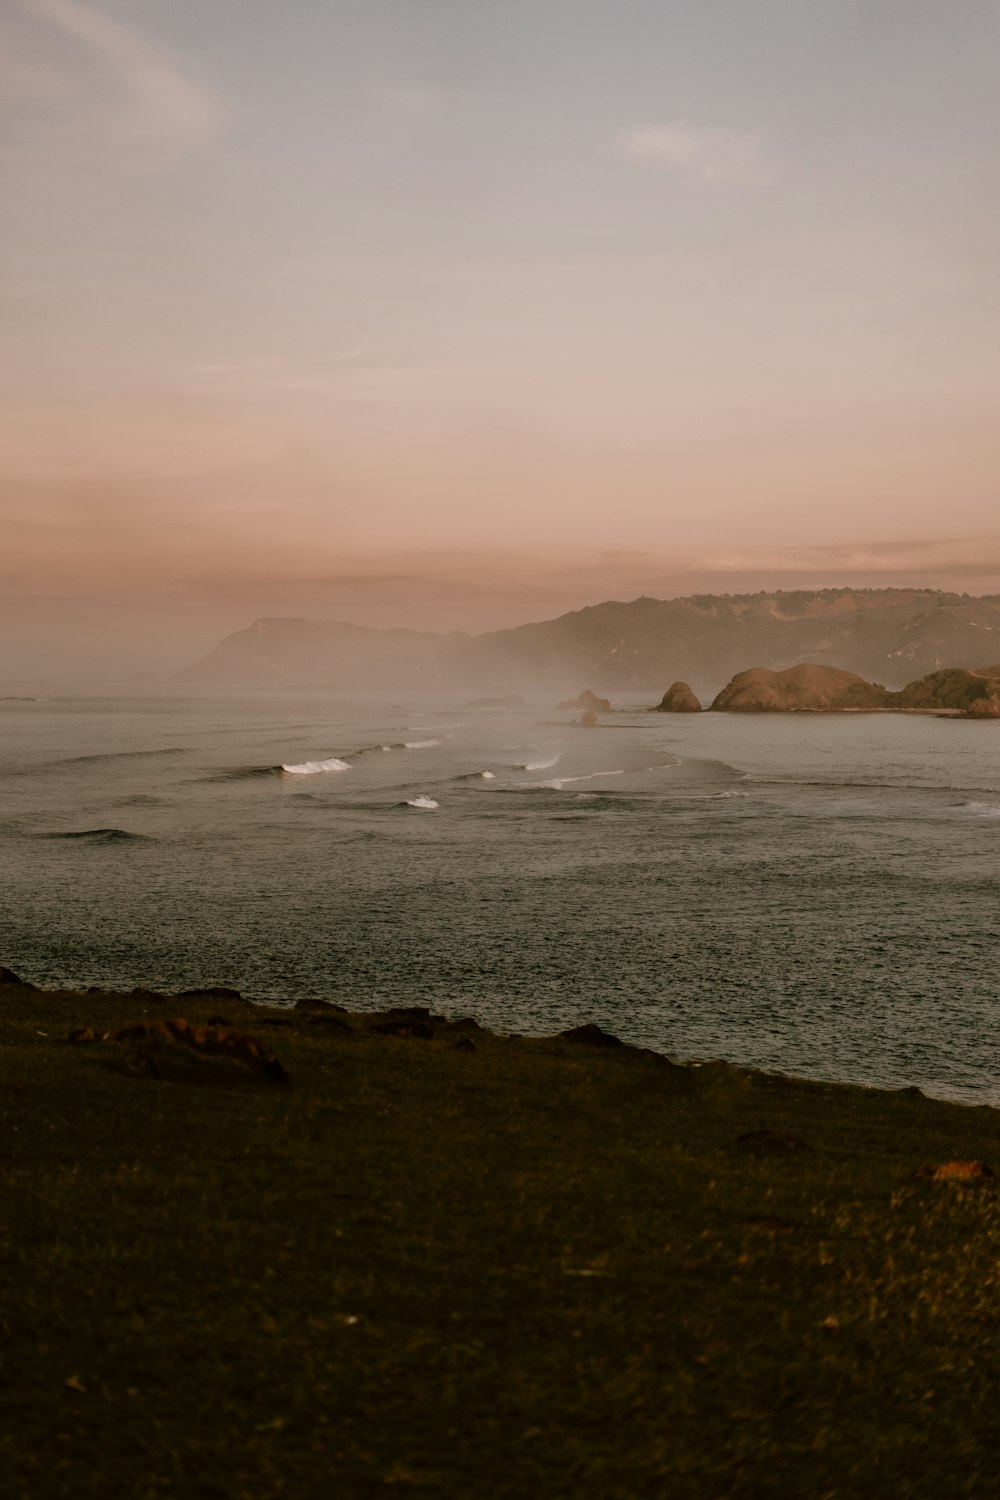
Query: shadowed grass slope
[520, 1268]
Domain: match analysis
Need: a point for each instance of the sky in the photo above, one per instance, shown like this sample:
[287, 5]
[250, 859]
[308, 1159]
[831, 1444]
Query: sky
[456, 313]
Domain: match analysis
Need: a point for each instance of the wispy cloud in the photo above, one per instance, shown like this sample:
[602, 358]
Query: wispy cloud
[737, 158]
[918, 558]
[152, 101]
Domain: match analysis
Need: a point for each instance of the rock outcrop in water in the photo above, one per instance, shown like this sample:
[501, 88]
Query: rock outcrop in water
[678, 699]
[807, 688]
[589, 702]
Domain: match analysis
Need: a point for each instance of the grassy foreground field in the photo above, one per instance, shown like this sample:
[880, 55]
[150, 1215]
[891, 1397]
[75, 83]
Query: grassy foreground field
[517, 1268]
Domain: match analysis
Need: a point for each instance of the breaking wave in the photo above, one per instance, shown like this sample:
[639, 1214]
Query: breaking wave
[316, 767]
[426, 804]
[558, 782]
[538, 765]
[394, 745]
[983, 809]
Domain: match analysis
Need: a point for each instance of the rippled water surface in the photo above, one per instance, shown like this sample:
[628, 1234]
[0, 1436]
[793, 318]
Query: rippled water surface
[815, 894]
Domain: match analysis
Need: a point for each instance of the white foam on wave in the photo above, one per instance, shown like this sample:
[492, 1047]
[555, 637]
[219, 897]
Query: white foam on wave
[487, 776]
[315, 767]
[419, 744]
[425, 803]
[722, 796]
[540, 765]
[984, 809]
[558, 782]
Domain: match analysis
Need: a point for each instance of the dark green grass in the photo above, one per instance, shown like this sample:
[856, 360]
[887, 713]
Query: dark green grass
[535, 1269]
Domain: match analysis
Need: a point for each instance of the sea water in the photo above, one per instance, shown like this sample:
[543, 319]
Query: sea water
[809, 893]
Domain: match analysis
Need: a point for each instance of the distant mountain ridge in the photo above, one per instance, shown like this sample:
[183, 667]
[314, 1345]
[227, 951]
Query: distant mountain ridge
[889, 635]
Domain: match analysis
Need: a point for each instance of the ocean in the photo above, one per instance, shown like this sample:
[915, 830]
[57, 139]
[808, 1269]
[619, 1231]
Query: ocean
[811, 894]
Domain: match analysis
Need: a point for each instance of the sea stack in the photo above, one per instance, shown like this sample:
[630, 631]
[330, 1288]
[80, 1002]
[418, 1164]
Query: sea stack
[678, 699]
[589, 702]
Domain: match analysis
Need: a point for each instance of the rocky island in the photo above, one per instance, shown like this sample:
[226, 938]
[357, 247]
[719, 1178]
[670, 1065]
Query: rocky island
[678, 699]
[971, 693]
[589, 702]
[805, 688]
[961, 692]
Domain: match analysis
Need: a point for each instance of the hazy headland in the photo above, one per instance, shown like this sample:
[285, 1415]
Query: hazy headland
[890, 636]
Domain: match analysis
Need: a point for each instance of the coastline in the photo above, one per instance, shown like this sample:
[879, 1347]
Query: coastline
[933, 713]
[442, 1260]
[78, 1003]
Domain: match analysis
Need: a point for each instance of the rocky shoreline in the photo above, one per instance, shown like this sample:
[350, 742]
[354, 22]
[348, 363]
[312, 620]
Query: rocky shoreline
[424, 1257]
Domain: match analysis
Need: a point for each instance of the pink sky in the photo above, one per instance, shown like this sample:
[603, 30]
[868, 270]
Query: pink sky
[468, 322]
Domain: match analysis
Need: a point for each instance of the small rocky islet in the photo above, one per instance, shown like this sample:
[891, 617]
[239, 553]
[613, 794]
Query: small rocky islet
[678, 699]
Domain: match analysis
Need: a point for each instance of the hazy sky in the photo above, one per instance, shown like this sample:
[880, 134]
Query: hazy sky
[462, 312]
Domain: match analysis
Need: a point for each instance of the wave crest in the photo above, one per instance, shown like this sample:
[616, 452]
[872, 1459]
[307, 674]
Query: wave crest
[316, 767]
[558, 782]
